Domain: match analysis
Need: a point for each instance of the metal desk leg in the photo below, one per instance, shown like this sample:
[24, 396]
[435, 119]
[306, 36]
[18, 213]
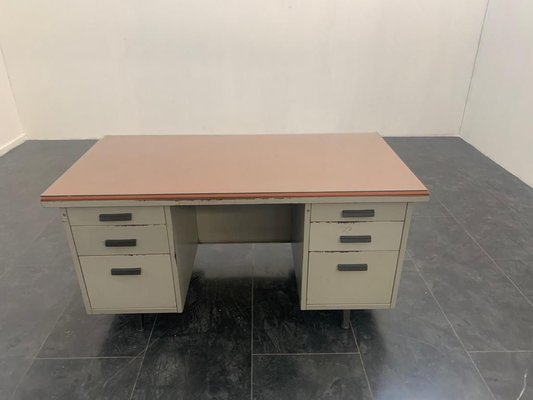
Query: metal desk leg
[139, 322]
[345, 319]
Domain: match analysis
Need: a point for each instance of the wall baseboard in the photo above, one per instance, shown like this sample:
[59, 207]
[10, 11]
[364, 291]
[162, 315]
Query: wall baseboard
[4, 148]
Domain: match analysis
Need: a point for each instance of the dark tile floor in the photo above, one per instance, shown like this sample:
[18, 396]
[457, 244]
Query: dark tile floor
[463, 327]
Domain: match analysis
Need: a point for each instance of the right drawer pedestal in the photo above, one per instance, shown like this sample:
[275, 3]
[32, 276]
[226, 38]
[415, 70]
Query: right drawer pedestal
[355, 254]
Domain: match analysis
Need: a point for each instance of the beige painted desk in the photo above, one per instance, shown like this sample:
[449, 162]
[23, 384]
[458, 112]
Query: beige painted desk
[135, 208]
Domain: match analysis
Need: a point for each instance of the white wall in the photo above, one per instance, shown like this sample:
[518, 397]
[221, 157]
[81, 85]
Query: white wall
[499, 114]
[87, 68]
[11, 133]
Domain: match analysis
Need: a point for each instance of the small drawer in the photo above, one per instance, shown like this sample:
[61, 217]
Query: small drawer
[129, 282]
[358, 212]
[351, 278]
[109, 240]
[355, 236]
[116, 216]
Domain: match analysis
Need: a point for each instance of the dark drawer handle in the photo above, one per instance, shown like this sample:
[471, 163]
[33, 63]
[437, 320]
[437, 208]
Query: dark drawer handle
[126, 271]
[358, 213]
[352, 267]
[121, 243]
[115, 217]
[356, 239]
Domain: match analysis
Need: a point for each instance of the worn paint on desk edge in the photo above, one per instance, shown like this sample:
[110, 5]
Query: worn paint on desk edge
[221, 196]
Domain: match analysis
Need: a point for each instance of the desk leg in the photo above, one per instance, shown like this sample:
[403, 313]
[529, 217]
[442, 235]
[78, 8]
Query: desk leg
[139, 322]
[345, 319]
[183, 240]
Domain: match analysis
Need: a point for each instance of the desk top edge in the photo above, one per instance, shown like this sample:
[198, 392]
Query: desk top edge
[233, 196]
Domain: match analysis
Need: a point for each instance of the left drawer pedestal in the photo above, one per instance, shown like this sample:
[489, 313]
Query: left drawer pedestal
[123, 258]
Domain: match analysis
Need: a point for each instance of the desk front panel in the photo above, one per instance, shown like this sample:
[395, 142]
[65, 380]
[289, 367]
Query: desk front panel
[328, 254]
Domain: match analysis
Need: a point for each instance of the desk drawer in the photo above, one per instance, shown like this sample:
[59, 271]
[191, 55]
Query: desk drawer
[129, 282]
[358, 212]
[351, 278]
[116, 216]
[355, 236]
[112, 240]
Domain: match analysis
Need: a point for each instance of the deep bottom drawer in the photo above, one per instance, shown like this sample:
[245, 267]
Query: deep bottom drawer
[129, 282]
[351, 278]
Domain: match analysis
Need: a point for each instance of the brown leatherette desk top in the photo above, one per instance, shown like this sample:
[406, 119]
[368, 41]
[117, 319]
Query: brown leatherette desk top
[236, 167]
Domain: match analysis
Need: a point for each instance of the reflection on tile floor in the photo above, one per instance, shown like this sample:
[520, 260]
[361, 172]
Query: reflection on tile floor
[462, 329]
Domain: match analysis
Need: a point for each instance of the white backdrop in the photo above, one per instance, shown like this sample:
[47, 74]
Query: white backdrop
[82, 69]
[11, 133]
[499, 117]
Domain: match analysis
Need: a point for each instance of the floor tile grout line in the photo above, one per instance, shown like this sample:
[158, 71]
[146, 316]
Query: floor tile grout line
[252, 328]
[118, 371]
[36, 236]
[306, 354]
[87, 358]
[143, 357]
[69, 301]
[32, 240]
[34, 357]
[500, 269]
[485, 252]
[362, 362]
[432, 216]
[499, 351]
[453, 329]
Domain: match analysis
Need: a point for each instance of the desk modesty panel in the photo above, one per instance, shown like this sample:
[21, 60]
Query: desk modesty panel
[136, 207]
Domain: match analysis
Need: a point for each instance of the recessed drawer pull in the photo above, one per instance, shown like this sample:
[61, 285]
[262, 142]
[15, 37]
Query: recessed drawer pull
[121, 243]
[126, 271]
[352, 267]
[356, 239]
[358, 213]
[115, 217]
